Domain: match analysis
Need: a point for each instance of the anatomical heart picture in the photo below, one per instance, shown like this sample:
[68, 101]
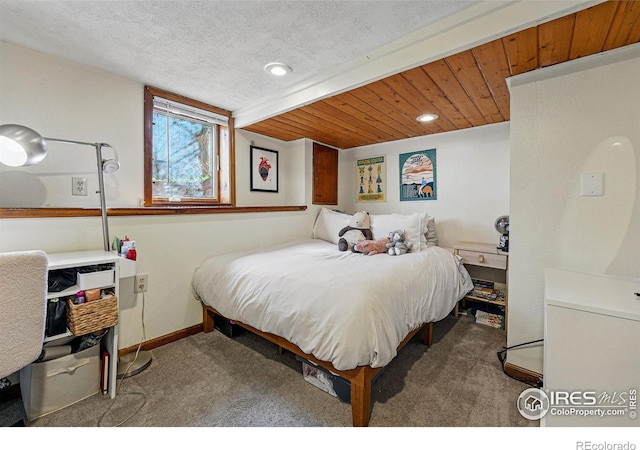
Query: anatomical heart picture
[264, 169]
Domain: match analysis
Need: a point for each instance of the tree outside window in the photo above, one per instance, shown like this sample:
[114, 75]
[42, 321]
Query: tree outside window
[187, 151]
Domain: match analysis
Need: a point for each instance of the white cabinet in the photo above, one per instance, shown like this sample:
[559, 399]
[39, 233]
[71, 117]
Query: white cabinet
[85, 259]
[592, 333]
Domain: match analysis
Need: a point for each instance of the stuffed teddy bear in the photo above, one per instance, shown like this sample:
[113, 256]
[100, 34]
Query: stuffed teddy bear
[359, 229]
[370, 248]
[397, 245]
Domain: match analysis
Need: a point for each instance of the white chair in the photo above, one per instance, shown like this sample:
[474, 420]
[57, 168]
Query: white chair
[23, 303]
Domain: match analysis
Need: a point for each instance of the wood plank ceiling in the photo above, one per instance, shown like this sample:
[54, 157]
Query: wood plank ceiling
[466, 90]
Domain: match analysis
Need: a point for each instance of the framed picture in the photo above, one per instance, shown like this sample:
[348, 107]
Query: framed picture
[371, 176]
[264, 169]
[418, 176]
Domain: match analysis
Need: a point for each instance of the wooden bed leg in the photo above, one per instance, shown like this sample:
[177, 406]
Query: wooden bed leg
[455, 310]
[428, 334]
[360, 398]
[207, 320]
[280, 350]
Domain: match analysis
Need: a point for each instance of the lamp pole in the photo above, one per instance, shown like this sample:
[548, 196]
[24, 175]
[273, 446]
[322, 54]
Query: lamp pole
[22, 146]
[103, 203]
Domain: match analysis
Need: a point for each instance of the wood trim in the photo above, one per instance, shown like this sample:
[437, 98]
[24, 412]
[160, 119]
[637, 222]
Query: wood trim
[525, 375]
[223, 176]
[187, 101]
[148, 145]
[40, 213]
[163, 340]
[232, 165]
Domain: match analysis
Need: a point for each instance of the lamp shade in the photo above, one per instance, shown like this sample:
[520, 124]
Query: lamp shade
[21, 146]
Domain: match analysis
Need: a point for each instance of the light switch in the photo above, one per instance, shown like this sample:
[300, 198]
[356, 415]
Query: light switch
[592, 184]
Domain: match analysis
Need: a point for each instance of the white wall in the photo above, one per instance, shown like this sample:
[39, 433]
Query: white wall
[291, 172]
[71, 101]
[65, 100]
[61, 99]
[472, 178]
[579, 117]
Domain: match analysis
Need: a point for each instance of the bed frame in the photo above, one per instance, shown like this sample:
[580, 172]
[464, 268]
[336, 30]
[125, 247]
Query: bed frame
[360, 377]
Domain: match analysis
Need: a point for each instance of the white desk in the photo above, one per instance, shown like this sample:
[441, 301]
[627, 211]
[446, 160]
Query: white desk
[89, 258]
[592, 333]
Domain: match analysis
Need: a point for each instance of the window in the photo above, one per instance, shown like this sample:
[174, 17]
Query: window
[188, 151]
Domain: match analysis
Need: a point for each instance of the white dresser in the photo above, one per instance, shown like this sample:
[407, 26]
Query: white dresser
[591, 354]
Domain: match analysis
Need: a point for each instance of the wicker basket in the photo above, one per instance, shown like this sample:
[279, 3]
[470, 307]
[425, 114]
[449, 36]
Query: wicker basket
[92, 316]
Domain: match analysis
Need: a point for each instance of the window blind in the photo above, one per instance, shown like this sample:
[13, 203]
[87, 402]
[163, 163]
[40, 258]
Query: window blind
[181, 110]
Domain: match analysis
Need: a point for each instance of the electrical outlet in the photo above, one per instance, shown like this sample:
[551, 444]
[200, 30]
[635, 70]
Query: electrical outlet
[78, 186]
[142, 281]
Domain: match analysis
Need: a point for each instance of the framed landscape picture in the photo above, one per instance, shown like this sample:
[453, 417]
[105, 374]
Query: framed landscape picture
[264, 169]
[418, 176]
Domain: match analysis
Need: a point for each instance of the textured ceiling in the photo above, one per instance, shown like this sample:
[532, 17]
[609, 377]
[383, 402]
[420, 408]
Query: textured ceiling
[214, 51]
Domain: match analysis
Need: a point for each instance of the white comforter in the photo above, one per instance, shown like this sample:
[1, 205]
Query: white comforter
[349, 309]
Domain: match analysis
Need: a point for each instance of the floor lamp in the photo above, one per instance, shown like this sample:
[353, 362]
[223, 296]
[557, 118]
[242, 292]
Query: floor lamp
[22, 146]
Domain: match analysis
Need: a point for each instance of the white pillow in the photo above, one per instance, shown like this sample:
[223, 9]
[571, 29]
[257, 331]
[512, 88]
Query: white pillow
[429, 235]
[383, 224]
[328, 225]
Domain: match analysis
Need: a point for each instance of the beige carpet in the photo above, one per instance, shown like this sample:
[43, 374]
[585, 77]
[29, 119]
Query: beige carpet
[210, 380]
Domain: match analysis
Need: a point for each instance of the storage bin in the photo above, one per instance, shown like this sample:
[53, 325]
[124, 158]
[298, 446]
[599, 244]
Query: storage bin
[226, 326]
[92, 316]
[90, 280]
[49, 386]
[325, 380]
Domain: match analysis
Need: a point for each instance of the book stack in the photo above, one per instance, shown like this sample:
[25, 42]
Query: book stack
[484, 289]
[490, 319]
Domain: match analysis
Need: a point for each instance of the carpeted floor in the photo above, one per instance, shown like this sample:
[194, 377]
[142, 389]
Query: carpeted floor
[210, 380]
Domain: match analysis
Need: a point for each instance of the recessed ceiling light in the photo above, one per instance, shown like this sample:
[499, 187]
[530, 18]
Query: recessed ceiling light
[277, 69]
[427, 117]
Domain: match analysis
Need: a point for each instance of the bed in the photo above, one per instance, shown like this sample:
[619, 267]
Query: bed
[347, 312]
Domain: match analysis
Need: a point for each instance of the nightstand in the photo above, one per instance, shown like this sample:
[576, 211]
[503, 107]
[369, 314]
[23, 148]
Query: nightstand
[488, 267]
